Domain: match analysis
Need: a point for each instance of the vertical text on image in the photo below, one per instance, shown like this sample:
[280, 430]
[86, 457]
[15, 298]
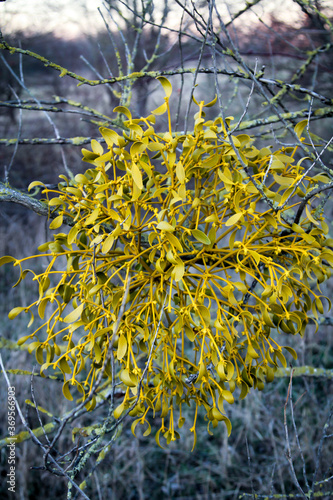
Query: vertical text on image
[11, 475]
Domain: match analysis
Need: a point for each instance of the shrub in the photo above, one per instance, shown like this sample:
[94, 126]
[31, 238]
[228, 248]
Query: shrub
[187, 253]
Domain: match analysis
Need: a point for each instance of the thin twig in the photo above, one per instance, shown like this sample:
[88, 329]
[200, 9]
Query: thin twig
[250, 468]
[19, 132]
[324, 435]
[32, 389]
[100, 375]
[36, 440]
[296, 435]
[49, 119]
[246, 107]
[288, 453]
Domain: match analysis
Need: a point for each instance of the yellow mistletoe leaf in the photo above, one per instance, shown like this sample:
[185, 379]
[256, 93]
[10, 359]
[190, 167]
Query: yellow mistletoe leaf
[56, 202]
[89, 156]
[118, 411]
[103, 158]
[217, 415]
[255, 255]
[310, 217]
[165, 226]
[283, 181]
[178, 271]
[212, 218]
[281, 358]
[252, 352]
[155, 146]
[201, 236]
[57, 222]
[138, 132]
[64, 366]
[97, 147]
[22, 340]
[227, 395]
[35, 183]
[124, 111]
[127, 379]
[166, 85]
[157, 438]
[66, 392]
[134, 424]
[180, 172]
[74, 315]
[72, 235]
[110, 136]
[108, 243]
[92, 217]
[160, 110]
[234, 219]
[137, 148]
[5, 259]
[122, 347]
[300, 127]
[228, 425]
[221, 371]
[291, 351]
[227, 181]
[14, 312]
[271, 220]
[42, 306]
[211, 103]
[205, 314]
[173, 240]
[81, 179]
[137, 177]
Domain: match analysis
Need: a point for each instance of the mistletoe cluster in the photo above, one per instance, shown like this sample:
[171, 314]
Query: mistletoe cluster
[187, 255]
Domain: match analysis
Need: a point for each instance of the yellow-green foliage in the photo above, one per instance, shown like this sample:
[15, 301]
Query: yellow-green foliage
[213, 269]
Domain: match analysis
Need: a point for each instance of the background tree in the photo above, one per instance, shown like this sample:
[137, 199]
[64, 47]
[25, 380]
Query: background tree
[208, 47]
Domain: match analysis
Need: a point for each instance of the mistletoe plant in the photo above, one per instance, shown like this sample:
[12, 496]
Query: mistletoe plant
[188, 254]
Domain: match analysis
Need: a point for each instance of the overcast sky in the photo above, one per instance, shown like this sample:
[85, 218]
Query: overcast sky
[74, 17]
[67, 19]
